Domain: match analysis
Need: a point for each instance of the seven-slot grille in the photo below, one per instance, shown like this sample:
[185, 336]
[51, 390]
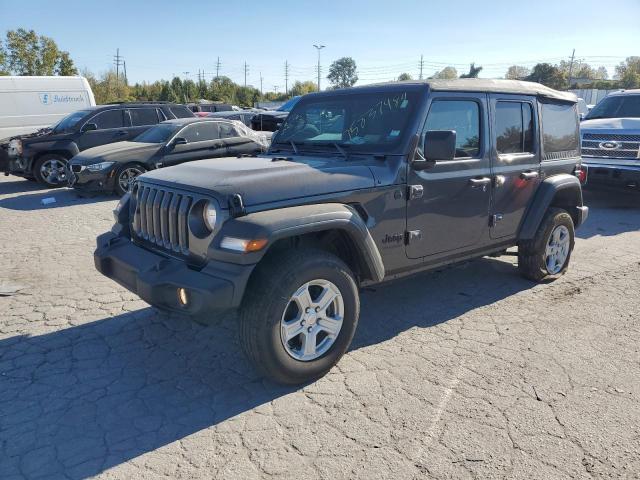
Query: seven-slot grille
[161, 217]
[628, 145]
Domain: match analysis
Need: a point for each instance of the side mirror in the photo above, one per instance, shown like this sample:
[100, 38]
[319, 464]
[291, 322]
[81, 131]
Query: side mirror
[438, 145]
[178, 141]
[581, 116]
[88, 127]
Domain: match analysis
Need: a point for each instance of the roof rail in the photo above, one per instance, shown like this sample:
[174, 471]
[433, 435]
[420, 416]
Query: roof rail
[140, 102]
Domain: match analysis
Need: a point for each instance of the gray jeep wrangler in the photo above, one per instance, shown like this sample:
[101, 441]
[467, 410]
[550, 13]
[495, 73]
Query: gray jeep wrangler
[360, 186]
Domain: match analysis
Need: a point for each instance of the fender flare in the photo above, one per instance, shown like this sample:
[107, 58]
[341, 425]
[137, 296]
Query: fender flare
[288, 222]
[561, 190]
[67, 147]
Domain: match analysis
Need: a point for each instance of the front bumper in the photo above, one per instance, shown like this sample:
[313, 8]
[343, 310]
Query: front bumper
[600, 172]
[87, 181]
[156, 278]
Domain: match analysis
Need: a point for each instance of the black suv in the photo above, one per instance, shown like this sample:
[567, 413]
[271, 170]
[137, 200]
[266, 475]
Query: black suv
[360, 186]
[43, 155]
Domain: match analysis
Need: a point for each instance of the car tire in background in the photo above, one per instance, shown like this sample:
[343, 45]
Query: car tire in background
[547, 255]
[299, 315]
[125, 174]
[50, 170]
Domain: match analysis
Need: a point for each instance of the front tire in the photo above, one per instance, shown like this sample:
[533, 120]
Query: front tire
[125, 176]
[547, 255]
[299, 315]
[51, 171]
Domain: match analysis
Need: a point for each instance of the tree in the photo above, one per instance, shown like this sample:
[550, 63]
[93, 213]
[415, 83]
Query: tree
[65, 65]
[473, 72]
[446, 73]
[27, 53]
[404, 76]
[548, 75]
[602, 73]
[302, 88]
[628, 72]
[342, 73]
[516, 72]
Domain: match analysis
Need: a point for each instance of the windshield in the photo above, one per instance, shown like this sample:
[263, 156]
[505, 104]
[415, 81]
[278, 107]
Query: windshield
[370, 121]
[70, 121]
[157, 134]
[289, 104]
[617, 106]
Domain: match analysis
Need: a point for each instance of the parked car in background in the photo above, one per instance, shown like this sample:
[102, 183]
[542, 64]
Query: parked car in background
[360, 186]
[611, 142]
[243, 116]
[211, 107]
[29, 104]
[271, 120]
[112, 168]
[43, 155]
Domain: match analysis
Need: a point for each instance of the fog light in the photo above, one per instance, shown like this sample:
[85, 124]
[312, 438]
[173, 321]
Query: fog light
[183, 298]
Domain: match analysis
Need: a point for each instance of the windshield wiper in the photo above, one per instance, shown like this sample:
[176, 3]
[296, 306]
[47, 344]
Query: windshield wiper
[295, 148]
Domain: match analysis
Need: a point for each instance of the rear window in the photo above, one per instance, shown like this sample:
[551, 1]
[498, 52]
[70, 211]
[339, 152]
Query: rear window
[559, 129]
[143, 116]
[109, 119]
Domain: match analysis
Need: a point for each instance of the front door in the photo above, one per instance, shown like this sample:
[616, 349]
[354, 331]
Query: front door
[452, 212]
[202, 142]
[515, 161]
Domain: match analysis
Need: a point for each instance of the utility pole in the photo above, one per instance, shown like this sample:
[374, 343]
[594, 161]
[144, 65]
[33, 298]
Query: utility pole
[246, 70]
[319, 47]
[124, 65]
[573, 54]
[286, 77]
[276, 88]
[261, 84]
[184, 90]
[117, 60]
[421, 66]
[218, 67]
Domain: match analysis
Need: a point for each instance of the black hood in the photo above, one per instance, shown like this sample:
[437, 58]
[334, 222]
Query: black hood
[118, 152]
[261, 180]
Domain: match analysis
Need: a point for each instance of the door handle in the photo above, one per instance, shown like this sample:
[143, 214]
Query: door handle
[529, 175]
[121, 133]
[479, 182]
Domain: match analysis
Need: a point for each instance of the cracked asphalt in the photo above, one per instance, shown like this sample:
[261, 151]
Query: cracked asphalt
[470, 372]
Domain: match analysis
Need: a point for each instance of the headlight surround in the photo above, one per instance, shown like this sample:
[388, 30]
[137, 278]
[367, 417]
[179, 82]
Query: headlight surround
[15, 147]
[210, 215]
[99, 167]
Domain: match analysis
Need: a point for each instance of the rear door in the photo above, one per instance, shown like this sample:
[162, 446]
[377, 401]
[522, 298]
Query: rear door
[236, 144]
[515, 161]
[203, 141]
[140, 120]
[111, 127]
[448, 205]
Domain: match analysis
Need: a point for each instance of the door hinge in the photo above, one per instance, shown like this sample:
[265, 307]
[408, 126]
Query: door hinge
[494, 219]
[412, 236]
[415, 191]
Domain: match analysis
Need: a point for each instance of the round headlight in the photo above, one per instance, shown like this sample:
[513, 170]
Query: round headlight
[210, 214]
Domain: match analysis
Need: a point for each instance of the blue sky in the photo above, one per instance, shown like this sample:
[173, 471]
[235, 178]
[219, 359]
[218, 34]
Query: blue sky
[159, 39]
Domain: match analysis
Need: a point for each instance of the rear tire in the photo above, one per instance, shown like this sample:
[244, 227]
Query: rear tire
[125, 175]
[50, 171]
[299, 315]
[547, 255]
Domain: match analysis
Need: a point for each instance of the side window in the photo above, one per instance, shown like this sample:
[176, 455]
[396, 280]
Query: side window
[161, 116]
[143, 116]
[180, 111]
[514, 127]
[463, 116]
[227, 130]
[559, 128]
[109, 119]
[200, 132]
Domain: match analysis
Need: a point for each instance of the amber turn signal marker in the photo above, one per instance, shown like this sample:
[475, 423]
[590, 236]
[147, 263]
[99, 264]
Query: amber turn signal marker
[255, 245]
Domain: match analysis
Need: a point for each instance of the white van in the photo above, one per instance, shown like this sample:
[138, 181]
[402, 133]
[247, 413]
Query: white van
[28, 104]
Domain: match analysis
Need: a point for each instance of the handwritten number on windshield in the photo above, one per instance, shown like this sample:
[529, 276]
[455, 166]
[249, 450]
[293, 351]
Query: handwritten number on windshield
[386, 105]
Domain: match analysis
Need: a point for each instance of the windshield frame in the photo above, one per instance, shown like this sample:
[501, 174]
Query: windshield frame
[603, 104]
[55, 128]
[289, 104]
[416, 97]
